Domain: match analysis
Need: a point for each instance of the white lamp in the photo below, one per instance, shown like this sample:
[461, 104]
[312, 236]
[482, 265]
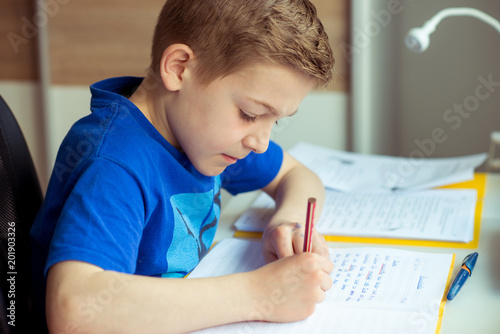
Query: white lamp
[417, 39]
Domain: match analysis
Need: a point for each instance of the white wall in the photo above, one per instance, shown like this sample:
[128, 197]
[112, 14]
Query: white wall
[321, 119]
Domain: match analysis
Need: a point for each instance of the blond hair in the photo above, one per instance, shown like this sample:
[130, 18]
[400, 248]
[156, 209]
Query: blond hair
[226, 35]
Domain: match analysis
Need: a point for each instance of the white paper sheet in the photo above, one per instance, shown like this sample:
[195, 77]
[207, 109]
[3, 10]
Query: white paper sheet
[354, 172]
[440, 214]
[375, 290]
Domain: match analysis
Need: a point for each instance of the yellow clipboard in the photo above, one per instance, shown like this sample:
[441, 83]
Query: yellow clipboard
[478, 183]
[443, 299]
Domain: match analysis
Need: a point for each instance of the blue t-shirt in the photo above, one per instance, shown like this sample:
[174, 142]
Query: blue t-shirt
[122, 198]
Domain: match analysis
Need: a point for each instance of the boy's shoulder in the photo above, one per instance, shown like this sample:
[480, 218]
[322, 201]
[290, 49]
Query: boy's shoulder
[115, 130]
[113, 118]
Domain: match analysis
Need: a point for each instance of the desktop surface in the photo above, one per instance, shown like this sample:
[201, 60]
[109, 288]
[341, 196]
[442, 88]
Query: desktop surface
[476, 307]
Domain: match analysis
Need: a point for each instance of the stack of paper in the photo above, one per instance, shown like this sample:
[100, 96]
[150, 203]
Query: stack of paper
[375, 290]
[370, 196]
[355, 172]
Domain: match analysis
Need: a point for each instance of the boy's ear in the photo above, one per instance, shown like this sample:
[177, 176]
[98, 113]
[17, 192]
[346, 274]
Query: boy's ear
[176, 61]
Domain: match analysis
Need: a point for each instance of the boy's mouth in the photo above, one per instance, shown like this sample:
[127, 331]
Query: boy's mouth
[229, 158]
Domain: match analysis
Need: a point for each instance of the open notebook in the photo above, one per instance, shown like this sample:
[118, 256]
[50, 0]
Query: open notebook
[375, 290]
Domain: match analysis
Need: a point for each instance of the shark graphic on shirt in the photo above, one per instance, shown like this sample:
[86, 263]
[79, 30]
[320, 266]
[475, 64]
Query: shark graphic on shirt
[196, 216]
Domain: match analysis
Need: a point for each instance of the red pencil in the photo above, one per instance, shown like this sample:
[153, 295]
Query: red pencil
[311, 206]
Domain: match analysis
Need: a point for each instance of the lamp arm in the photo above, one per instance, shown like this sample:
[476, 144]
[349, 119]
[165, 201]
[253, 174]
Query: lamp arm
[417, 39]
[430, 25]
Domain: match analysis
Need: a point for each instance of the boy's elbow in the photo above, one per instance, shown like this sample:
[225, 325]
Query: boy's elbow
[61, 313]
[67, 305]
[66, 313]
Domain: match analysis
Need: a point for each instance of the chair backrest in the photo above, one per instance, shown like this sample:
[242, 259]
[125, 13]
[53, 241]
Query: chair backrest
[20, 200]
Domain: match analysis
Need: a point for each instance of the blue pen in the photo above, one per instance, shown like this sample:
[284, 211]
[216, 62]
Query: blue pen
[464, 273]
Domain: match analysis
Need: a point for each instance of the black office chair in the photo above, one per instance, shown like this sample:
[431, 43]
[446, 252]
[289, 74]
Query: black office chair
[20, 200]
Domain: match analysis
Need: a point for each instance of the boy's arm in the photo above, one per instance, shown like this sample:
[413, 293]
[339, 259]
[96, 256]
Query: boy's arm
[291, 188]
[83, 298]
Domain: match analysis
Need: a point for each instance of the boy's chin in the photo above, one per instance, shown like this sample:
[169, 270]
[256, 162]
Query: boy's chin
[211, 171]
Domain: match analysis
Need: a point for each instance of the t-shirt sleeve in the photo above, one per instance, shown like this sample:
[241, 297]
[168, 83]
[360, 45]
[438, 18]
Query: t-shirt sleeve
[254, 172]
[102, 220]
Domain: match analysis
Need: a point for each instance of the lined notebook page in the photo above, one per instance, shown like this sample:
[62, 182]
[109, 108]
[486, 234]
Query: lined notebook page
[375, 290]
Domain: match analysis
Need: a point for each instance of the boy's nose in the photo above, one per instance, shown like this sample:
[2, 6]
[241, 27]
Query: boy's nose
[258, 141]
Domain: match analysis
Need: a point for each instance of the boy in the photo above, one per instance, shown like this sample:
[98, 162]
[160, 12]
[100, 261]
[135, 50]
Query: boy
[134, 199]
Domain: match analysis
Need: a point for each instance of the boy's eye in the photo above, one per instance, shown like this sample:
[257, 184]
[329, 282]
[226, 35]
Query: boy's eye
[247, 117]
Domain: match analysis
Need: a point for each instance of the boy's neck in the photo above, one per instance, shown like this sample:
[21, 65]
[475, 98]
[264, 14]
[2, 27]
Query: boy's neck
[150, 99]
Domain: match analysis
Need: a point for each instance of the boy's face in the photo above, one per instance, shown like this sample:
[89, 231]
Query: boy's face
[218, 124]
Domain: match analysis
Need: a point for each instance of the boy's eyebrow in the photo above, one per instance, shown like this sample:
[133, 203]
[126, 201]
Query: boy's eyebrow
[271, 109]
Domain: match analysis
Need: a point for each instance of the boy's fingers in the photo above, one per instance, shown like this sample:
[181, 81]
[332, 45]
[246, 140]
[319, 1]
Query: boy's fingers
[285, 241]
[325, 264]
[319, 244]
[288, 238]
[284, 249]
[298, 245]
[327, 283]
[277, 245]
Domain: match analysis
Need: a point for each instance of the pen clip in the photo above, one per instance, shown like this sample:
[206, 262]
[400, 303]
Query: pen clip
[464, 262]
[469, 262]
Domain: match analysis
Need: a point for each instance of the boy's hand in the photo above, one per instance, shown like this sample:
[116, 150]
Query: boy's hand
[289, 289]
[283, 239]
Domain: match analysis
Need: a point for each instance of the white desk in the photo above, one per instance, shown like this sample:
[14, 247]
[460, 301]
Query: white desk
[476, 308]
